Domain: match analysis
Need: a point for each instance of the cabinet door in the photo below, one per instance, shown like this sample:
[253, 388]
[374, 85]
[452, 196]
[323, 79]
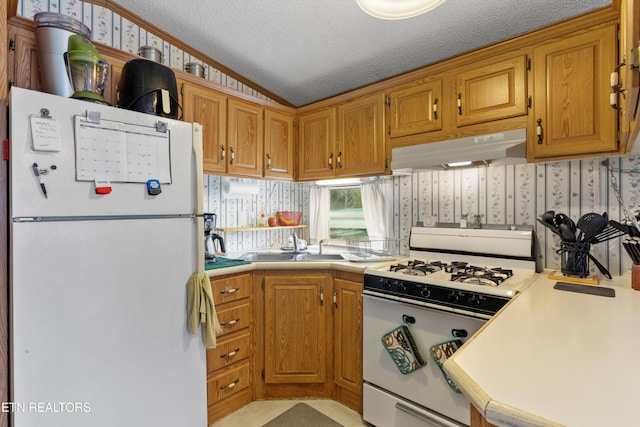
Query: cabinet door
[477, 420]
[115, 71]
[361, 137]
[278, 145]
[414, 108]
[348, 335]
[628, 74]
[23, 64]
[295, 328]
[492, 92]
[209, 108]
[316, 141]
[246, 136]
[571, 107]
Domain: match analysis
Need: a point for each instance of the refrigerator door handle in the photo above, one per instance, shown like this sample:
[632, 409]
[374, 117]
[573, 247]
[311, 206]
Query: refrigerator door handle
[197, 150]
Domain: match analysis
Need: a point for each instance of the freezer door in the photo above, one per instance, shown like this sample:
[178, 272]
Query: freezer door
[98, 325]
[69, 196]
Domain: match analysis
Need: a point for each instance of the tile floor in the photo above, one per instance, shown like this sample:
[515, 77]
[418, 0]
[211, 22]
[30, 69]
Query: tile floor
[258, 413]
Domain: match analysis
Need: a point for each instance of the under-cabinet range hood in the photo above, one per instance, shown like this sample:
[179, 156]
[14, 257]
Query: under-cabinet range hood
[507, 147]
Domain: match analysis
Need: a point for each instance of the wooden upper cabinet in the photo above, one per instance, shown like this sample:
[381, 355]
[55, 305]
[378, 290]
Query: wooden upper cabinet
[361, 137]
[316, 144]
[245, 135]
[115, 71]
[494, 91]
[23, 64]
[625, 94]
[209, 108]
[571, 112]
[279, 160]
[415, 108]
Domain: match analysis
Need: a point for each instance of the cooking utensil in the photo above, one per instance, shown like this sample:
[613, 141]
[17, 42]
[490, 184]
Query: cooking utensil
[590, 225]
[600, 267]
[549, 226]
[560, 218]
[566, 233]
[608, 233]
[548, 217]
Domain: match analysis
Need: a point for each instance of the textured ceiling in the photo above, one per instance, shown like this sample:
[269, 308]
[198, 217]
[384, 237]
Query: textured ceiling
[306, 50]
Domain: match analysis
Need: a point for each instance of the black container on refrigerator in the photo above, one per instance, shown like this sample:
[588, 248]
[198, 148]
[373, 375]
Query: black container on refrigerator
[148, 87]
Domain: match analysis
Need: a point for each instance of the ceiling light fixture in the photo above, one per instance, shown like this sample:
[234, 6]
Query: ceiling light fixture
[397, 9]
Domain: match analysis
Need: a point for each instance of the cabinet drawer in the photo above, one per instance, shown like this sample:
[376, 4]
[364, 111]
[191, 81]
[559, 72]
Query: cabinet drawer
[228, 383]
[228, 352]
[235, 317]
[231, 288]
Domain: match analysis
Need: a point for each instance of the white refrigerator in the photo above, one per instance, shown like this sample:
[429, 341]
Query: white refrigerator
[105, 232]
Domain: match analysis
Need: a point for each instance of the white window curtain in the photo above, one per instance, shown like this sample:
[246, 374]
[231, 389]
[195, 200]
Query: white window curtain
[377, 202]
[319, 205]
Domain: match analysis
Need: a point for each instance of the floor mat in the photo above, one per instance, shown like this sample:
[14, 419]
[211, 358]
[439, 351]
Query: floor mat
[300, 415]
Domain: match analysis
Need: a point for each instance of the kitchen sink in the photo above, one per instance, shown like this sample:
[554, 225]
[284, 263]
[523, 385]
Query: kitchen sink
[267, 257]
[289, 257]
[318, 257]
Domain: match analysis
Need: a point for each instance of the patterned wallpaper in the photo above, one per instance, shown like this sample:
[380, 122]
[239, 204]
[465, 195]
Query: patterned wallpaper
[514, 194]
[518, 194]
[245, 211]
[113, 30]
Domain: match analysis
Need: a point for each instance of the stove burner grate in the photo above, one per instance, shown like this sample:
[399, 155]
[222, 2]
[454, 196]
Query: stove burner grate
[481, 275]
[417, 267]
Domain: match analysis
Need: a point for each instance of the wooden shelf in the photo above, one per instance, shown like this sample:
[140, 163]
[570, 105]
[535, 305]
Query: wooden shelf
[226, 230]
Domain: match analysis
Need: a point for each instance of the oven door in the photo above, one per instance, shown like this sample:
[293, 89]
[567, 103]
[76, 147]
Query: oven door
[425, 387]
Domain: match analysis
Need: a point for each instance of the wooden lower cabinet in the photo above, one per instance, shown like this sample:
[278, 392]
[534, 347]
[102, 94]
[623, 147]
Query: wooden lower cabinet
[287, 335]
[478, 420]
[309, 336]
[229, 365]
[297, 334]
[347, 339]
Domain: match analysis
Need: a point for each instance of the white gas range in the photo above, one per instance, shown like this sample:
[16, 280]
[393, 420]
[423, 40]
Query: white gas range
[453, 282]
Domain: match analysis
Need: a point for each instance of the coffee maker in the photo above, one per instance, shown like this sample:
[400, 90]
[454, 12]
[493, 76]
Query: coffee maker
[210, 237]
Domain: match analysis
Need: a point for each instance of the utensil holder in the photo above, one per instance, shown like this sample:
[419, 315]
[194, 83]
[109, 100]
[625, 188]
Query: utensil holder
[575, 258]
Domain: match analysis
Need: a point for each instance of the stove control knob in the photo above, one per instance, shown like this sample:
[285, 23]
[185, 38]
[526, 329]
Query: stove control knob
[402, 287]
[425, 292]
[453, 296]
[476, 299]
[387, 284]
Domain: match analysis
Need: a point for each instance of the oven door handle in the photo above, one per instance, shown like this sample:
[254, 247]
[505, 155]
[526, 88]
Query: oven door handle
[430, 419]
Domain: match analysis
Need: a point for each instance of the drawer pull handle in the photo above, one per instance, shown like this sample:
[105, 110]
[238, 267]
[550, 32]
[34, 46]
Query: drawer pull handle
[230, 322]
[228, 292]
[230, 354]
[232, 385]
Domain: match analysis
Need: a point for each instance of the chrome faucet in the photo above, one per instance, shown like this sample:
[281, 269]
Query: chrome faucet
[295, 241]
[320, 246]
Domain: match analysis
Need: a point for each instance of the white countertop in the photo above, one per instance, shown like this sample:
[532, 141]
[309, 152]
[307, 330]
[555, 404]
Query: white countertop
[554, 357]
